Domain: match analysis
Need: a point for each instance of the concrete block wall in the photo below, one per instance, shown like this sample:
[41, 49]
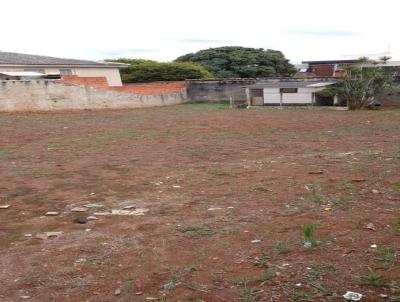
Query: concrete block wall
[43, 95]
[217, 90]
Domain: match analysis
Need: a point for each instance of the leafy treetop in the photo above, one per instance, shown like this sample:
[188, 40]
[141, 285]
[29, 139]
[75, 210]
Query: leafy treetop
[241, 62]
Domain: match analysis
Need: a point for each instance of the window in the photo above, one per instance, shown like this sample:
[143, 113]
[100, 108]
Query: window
[257, 92]
[65, 72]
[288, 90]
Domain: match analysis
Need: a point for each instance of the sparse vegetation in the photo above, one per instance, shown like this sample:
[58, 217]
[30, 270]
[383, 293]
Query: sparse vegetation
[262, 261]
[178, 250]
[387, 254]
[317, 270]
[372, 279]
[269, 274]
[250, 294]
[282, 248]
[322, 290]
[198, 231]
[299, 295]
[308, 232]
[314, 194]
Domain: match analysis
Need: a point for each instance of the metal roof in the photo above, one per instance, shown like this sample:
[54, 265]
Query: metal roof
[19, 59]
[291, 84]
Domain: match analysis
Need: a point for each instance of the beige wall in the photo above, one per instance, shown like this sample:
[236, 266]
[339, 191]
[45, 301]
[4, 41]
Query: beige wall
[55, 95]
[303, 95]
[112, 74]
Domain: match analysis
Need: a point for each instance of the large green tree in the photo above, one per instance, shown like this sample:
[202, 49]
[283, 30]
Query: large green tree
[149, 71]
[241, 62]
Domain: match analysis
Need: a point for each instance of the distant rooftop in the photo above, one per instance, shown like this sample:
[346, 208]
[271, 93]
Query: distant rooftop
[292, 84]
[387, 64]
[19, 59]
[331, 62]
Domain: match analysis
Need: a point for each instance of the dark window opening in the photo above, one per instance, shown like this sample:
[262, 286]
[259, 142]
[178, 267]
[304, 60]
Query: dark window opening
[321, 100]
[257, 92]
[288, 90]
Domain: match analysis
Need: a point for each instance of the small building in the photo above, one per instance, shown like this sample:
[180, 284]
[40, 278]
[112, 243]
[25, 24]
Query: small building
[50, 66]
[291, 92]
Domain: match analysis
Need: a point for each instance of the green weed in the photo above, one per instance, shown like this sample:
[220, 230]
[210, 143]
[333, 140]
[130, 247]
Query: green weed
[387, 254]
[342, 202]
[198, 231]
[323, 290]
[282, 248]
[299, 295]
[250, 294]
[206, 106]
[314, 194]
[216, 172]
[372, 279]
[317, 270]
[262, 261]
[267, 275]
[396, 187]
[309, 231]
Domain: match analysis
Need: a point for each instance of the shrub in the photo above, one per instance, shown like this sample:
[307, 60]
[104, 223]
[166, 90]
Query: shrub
[150, 71]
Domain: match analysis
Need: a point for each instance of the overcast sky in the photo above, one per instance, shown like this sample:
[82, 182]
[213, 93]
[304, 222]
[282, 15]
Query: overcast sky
[165, 29]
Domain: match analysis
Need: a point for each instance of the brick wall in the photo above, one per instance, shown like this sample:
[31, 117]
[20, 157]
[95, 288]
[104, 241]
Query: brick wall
[154, 88]
[322, 70]
[96, 82]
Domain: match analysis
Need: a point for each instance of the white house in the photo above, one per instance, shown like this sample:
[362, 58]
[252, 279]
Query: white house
[18, 63]
[290, 92]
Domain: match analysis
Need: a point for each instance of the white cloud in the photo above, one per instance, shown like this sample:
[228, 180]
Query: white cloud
[164, 30]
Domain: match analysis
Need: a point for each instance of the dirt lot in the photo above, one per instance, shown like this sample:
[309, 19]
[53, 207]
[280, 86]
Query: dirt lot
[230, 194]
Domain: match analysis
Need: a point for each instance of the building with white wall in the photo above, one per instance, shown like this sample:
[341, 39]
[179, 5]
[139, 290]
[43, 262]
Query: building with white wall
[17, 62]
[290, 92]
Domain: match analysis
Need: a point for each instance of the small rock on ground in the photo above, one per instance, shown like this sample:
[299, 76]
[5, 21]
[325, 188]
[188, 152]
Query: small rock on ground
[52, 213]
[79, 209]
[81, 220]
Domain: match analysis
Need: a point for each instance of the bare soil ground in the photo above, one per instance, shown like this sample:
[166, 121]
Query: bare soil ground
[230, 194]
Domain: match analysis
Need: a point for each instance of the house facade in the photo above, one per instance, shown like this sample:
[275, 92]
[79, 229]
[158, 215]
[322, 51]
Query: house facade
[337, 68]
[20, 63]
[329, 68]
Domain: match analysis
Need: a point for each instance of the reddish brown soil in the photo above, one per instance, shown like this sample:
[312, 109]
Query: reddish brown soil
[180, 161]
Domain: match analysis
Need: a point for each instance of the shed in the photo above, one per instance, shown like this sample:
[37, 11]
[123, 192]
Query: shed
[290, 92]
